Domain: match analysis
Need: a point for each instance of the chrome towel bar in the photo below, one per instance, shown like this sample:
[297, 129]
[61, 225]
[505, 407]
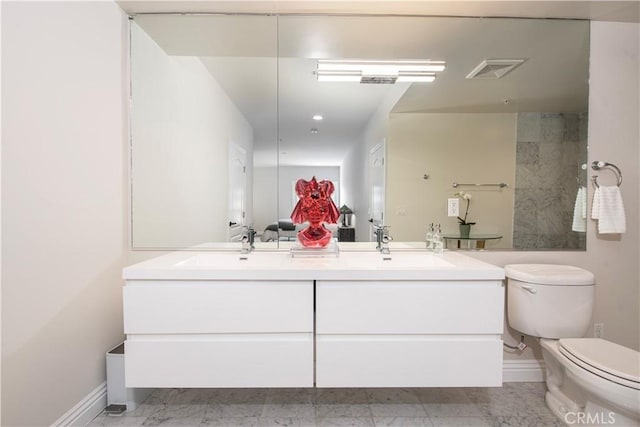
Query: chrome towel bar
[501, 185]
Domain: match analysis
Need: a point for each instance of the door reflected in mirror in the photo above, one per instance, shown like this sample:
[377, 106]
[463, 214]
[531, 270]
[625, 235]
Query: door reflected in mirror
[510, 106]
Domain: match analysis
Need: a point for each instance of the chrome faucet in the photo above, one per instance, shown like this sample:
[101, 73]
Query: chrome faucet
[383, 238]
[247, 240]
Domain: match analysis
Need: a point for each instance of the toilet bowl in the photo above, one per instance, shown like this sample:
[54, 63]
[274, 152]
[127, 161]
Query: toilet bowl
[581, 387]
[590, 381]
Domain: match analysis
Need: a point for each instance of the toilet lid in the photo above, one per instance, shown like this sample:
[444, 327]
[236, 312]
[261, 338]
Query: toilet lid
[604, 358]
[550, 274]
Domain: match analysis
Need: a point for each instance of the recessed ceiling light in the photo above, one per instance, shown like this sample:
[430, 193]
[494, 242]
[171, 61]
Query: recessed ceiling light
[314, 130]
[318, 117]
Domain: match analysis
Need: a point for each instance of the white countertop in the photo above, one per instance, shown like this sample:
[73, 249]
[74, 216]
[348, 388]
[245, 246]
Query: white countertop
[280, 265]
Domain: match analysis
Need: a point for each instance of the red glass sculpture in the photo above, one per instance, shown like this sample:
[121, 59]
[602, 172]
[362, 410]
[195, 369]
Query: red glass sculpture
[316, 206]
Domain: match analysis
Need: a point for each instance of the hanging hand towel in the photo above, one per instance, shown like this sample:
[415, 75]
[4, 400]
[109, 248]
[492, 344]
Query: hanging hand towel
[580, 211]
[595, 206]
[611, 218]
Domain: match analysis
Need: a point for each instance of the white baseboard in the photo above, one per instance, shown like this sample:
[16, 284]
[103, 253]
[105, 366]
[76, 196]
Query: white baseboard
[85, 410]
[519, 371]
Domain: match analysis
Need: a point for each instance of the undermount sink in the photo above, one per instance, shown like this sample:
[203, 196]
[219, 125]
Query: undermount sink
[235, 260]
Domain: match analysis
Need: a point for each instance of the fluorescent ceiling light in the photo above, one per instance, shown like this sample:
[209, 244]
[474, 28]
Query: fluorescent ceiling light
[380, 66]
[336, 76]
[317, 117]
[416, 77]
[389, 72]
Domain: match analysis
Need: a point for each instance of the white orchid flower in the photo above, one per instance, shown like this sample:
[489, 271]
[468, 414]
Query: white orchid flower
[464, 196]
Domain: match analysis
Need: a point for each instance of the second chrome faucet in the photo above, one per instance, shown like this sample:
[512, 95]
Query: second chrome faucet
[382, 238]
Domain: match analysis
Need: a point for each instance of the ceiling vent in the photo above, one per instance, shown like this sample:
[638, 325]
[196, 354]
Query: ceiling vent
[495, 68]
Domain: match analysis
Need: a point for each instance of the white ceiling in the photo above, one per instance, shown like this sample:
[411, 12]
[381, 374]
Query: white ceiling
[602, 10]
[241, 52]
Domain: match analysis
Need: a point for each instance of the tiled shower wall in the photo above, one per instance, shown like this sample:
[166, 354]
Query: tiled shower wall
[550, 150]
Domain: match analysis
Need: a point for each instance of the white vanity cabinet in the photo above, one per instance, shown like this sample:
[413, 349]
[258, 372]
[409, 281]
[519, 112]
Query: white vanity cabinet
[409, 333]
[218, 333]
[413, 319]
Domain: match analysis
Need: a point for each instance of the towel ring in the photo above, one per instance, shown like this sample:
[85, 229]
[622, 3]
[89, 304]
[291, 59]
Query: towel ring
[597, 165]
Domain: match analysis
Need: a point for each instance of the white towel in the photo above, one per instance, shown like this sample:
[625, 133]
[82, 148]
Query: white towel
[580, 211]
[595, 205]
[608, 209]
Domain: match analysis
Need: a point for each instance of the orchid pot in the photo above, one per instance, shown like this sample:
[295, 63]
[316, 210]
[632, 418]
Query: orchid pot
[465, 229]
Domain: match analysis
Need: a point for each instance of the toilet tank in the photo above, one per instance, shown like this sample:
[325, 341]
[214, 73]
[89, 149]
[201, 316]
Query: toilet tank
[548, 300]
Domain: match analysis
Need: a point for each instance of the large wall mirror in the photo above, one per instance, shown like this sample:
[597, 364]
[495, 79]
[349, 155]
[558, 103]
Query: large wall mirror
[228, 111]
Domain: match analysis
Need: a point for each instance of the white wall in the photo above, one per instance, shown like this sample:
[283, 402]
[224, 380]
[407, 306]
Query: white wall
[355, 167]
[182, 124]
[0, 213]
[614, 136]
[354, 192]
[265, 196]
[464, 148]
[63, 202]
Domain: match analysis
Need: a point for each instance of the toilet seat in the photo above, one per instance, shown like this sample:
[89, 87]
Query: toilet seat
[608, 360]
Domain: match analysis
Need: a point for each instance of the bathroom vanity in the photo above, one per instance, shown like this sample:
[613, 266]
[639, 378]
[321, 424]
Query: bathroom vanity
[213, 319]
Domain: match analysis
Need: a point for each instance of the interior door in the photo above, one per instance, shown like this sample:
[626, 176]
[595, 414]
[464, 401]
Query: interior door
[237, 191]
[376, 187]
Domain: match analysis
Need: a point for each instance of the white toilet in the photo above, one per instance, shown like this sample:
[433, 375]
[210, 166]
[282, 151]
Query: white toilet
[590, 381]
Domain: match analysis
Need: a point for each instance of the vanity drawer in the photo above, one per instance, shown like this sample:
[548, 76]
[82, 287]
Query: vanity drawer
[218, 307]
[409, 361]
[272, 360]
[409, 307]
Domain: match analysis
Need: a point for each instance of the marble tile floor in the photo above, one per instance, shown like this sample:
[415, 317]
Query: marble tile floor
[514, 404]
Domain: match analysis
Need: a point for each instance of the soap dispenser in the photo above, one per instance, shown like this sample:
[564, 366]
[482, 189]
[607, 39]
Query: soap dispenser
[429, 239]
[438, 241]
